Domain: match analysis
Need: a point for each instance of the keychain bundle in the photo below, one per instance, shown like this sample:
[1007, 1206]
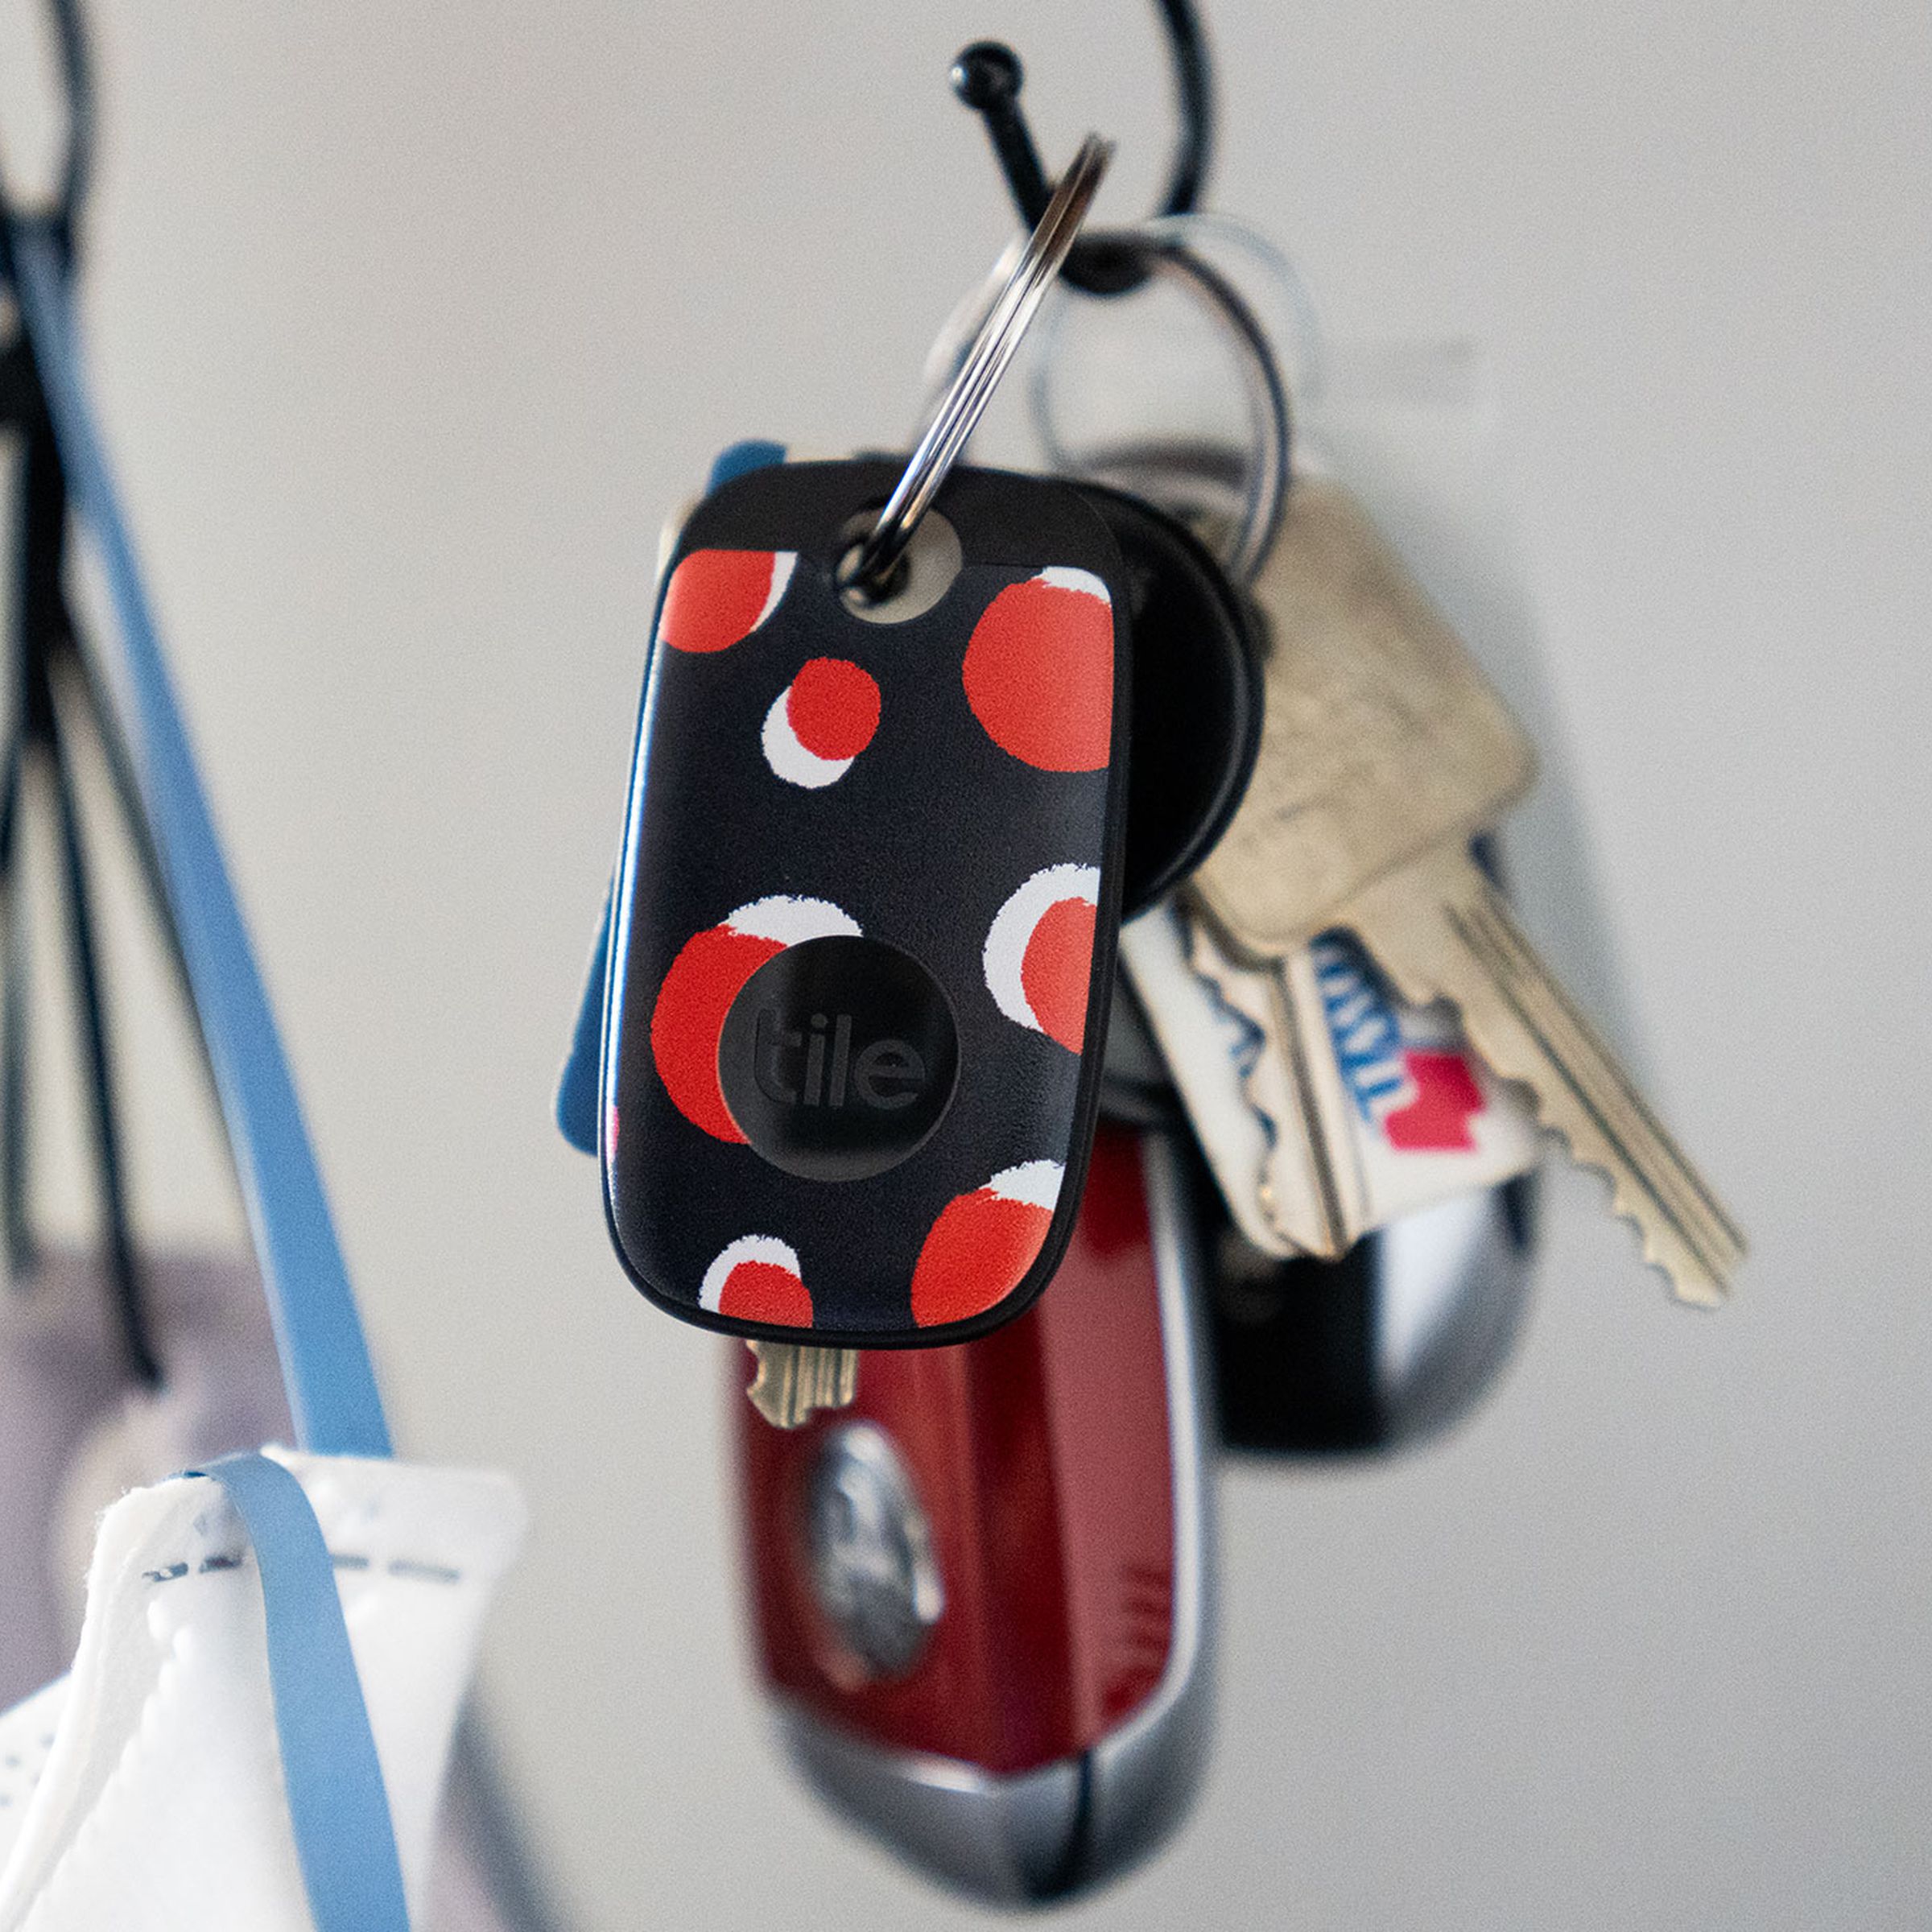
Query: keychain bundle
[863, 929]
[970, 809]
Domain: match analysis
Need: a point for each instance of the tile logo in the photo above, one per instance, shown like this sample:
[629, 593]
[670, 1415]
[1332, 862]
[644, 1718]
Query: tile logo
[838, 1057]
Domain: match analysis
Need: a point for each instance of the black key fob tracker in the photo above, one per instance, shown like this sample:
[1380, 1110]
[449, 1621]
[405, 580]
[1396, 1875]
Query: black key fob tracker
[865, 915]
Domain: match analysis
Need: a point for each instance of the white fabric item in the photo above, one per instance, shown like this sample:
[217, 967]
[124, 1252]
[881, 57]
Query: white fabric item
[143, 1792]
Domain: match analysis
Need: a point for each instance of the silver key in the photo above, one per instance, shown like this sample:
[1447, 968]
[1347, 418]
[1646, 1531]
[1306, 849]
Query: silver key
[1310, 1185]
[795, 1381]
[1210, 1051]
[1377, 1106]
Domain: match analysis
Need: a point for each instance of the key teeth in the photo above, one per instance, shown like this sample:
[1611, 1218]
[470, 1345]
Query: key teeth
[1704, 1280]
[766, 1392]
[1209, 965]
[1708, 1245]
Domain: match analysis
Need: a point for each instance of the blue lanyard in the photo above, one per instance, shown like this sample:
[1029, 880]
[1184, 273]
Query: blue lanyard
[332, 1386]
[337, 1805]
[344, 1843]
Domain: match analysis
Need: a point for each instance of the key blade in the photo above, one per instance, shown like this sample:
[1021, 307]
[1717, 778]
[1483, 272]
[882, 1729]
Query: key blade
[1311, 1187]
[793, 1382]
[1439, 930]
[1204, 1042]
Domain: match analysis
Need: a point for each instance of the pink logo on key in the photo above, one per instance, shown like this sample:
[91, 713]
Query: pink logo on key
[1447, 1096]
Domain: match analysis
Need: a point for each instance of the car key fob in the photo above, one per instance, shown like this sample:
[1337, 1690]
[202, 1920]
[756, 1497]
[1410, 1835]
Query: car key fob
[864, 923]
[1385, 1349]
[982, 1595]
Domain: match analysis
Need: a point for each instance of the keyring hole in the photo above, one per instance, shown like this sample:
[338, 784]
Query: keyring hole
[856, 590]
[920, 578]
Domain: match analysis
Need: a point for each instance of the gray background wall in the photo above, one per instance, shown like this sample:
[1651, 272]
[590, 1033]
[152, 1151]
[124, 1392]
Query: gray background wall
[411, 321]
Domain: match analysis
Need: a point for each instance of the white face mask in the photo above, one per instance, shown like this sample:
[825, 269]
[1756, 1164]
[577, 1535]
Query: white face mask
[145, 1791]
[75, 1436]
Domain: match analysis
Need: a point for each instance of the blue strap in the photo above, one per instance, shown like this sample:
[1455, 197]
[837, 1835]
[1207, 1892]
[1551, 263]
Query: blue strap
[345, 1838]
[577, 1088]
[332, 1386]
[740, 459]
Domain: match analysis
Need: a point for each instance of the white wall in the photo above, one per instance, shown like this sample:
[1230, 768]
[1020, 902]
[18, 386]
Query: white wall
[411, 321]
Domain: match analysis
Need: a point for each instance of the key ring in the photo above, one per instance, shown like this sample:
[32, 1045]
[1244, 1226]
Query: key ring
[868, 570]
[1163, 253]
[1265, 496]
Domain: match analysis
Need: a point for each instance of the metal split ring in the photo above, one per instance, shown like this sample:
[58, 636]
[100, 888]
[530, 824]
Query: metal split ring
[1264, 495]
[869, 570]
[1259, 478]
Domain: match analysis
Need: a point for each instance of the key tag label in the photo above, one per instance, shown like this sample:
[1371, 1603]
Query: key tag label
[864, 920]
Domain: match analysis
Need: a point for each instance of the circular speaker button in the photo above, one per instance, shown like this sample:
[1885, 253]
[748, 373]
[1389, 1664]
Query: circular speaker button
[838, 1057]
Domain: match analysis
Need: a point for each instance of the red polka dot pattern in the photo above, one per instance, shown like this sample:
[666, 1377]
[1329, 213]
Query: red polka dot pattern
[978, 1252]
[833, 708]
[716, 598]
[705, 977]
[763, 1291]
[1038, 674]
[1055, 969]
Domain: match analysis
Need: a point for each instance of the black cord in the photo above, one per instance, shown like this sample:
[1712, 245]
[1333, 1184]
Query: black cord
[123, 1268]
[26, 734]
[77, 691]
[39, 623]
[988, 76]
[43, 634]
[20, 1251]
[77, 82]
[1193, 84]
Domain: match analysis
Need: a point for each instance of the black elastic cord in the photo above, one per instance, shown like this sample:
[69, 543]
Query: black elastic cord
[41, 627]
[123, 1264]
[43, 637]
[988, 77]
[27, 739]
[21, 1250]
[79, 697]
[77, 86]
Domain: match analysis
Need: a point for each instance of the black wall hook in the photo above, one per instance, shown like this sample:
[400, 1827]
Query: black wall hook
[987, 77]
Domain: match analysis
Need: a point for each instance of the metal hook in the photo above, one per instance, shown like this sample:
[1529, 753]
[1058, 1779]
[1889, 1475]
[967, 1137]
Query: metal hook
[987, 77]
[868, 571]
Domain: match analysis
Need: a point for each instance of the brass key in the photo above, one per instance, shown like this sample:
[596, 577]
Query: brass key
[794, 1381]
[1441, 930]
[1380, 740]
[1383, 751]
